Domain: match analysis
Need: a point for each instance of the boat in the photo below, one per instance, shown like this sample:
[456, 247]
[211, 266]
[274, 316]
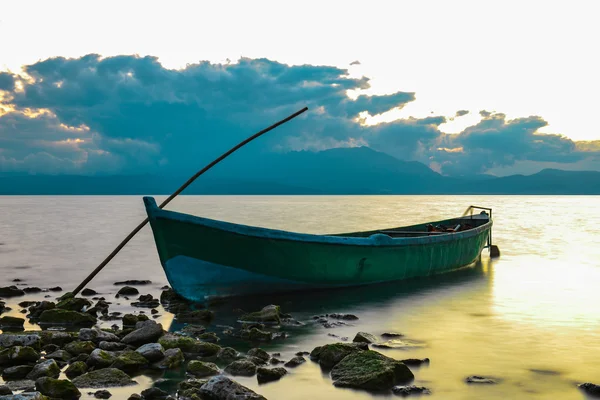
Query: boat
[205, 258]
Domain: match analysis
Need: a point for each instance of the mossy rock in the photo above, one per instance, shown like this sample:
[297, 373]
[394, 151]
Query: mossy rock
[103, 378]
[57, 388]
[264, 375]
[202, 369]
[57, 338]
[12, 322]
[130, 361]
[210, 337]
[370, 370]
[256, 335]
[16, 372]
[45, 368]
[100, 359]
[241, 368]
[74, 304]
[259, 353]
[76, 369]
[270, 314]
[195, 316]
[189, 345]
[173, 359]
[130, 320]
[18, 355]
[190, 388]
[364, 337]
[227, 355]
[10, 339]
[58, 316]
[77, 348]
[331, 354]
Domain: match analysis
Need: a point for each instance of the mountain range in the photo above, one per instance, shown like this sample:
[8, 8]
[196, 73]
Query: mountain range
[358, 170]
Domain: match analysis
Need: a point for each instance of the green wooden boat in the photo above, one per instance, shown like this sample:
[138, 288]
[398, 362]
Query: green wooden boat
[205, 258]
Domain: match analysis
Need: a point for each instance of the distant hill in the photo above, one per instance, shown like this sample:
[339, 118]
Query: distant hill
[336, 171]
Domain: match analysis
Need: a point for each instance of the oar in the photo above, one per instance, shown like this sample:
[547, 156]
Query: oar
[171, 197]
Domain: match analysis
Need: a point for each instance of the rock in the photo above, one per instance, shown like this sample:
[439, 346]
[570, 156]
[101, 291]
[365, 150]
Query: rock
[11, 291]
[173, 359]
[154, 393]
[17, 372]
[148, 332]
[202, 369]
[20, 385]
[100, 359]
[60, 355]
[76, 369]
[228, 355]
[364, 337]
[59, 316]
[107, 377]
[590, 388]
[146, 301]
[130, 320]
[370, 370]
[26, 396]
[193, 330]
[331, 354]
[45, 368]
[10, 340]
[74, 304]
[189, 345]
[130, 361]
[415, 362]
[88, 292]
[210, 337]
[346, 317]
[57, 338]
[265, 375]
[55, 289]
[195, 316]
[50, 348]
[32, 289]
[5, 390]
[294, 362]
[9, 322]
[269, 315]
[112, 346]
[36, 310]
[260, 354]
[151, 352]
[97, 335]
[256, 335]
[188, 389]
[134, 396]
[102, 394]
[222, 388]
[480, 379]
[275, 361]
[127, 291]
[57, 388]
[133, 282]
[26, 304]
[18, 355]
[408, 390]
[241, 368]
[399, 344]
[77, 348]
[391, 335]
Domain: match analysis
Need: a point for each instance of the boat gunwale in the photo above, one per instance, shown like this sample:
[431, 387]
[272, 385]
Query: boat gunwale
[375, 240]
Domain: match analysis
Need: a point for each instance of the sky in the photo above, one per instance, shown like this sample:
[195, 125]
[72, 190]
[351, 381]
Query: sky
[463, 86]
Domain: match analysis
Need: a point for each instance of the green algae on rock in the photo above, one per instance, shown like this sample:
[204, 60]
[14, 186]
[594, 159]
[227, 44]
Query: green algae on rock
[330, 354]
[270, 314]
[58, 316]
[107, 377]
[202, 369]
[57, 388]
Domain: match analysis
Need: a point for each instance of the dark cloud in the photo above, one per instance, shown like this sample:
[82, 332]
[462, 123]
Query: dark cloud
[460, 113]
[130, 114]
[356, 62]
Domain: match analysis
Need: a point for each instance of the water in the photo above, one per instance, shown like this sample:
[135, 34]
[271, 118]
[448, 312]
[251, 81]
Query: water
[530, 318]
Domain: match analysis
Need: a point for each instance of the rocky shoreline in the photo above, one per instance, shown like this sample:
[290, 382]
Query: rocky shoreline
[71, 355]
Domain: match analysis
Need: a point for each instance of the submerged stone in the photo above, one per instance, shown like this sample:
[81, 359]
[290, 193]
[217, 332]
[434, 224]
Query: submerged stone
[102, 394]
[11, 291]
[74, 304]
[480, 379]
[107, 377]
[408, 390]
[415, 362]
[222, 388]
[127, 291]
[59, 316]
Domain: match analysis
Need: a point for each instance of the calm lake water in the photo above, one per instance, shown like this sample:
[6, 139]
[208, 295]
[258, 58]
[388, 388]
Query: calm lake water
[530, 318]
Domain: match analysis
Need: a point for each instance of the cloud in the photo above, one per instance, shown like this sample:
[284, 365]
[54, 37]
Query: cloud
[460, 113]
[129, 114]
[356, 62]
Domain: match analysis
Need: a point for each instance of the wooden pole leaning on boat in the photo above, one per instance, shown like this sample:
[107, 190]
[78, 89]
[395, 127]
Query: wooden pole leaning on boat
[171, 197]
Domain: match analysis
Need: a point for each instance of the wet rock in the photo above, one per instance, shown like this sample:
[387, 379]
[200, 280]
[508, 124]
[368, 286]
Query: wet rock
[275, 361]
[195, 316]
[480, 379]
[106, 377]
[11, 291]
[134, 396]
[364, 337]
[130, 320]
[10, 340]
[20, 385]
[97, 335]
[301, 353]
[370, 370]
[74, 304]
[154, 393]
[331, 354]
[77, 348]
[173, 359]
[59, 316]
[268, 315]
[294, 362]
[190, 388]
[210, 337]
[256, 335]
[57, 338]
[4, 390]
[26, 304]
[32, 289]
[146, 301]
[193, 330]
[189, 345]
[127, 291]
[88, 292]
[55, 289]
[50, 348]
[222, 388]
[399, 344]
[241, 368]
[57, 388]
[408, 390]
[202, 369]
[415, 362]
[45, 368]
[151, 352]
[133, 282]
[30, 395]
[146, 332]
[36, 310]
[168, 297]
[265, 375]
[590, 388]
[18, 355]
[17, 372]
[102, 394]
[60, 355]
[260, 354]
[76, 369]
[9, 323]
[100, 359]
[112, 346]
[391, 335]
[227, 355]
[345, 317]
[130, 361]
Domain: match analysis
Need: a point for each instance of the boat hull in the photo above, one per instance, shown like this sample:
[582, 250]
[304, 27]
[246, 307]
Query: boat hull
[204, 258]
